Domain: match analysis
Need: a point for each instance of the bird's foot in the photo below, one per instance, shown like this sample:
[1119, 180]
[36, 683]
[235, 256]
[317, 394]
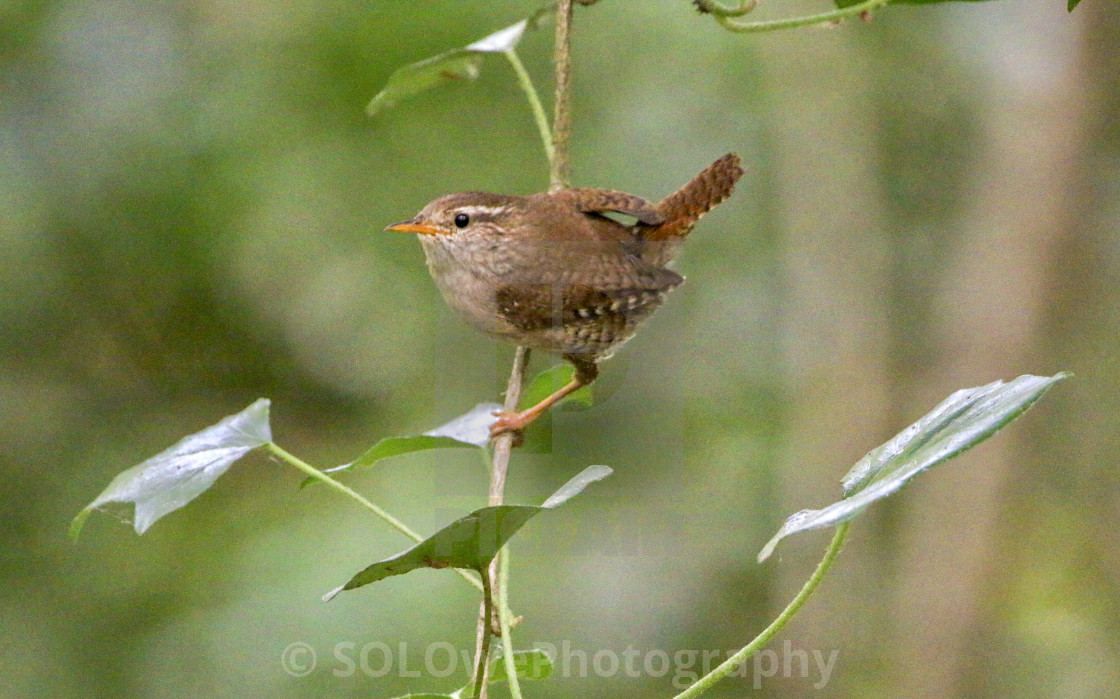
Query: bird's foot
[512, 422]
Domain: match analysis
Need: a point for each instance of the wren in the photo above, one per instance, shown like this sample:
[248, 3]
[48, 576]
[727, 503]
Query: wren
[554, 271]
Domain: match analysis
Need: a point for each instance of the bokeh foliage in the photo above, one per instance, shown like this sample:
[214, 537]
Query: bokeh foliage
[190, 205]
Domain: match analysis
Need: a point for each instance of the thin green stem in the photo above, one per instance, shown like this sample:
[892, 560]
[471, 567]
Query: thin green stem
[357, 497]
[482, 660]
[731, 664]
[499, 467]
[506, 622]
[715, 8]
[534, 98]
[556, 147]
[793, 22]
[345, 490]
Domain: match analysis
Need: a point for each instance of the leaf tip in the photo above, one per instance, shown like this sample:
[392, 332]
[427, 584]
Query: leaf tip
[377, 104]
[769, 548]
[576, 485]
[797, 522]
[501, 40]
[78, 522]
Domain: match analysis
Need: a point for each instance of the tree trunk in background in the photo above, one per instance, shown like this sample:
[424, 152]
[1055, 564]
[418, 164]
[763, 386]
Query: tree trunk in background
[987, 319]
[835, 299]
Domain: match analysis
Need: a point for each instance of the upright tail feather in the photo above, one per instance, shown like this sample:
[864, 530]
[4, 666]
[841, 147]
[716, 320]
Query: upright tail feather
[683, 208]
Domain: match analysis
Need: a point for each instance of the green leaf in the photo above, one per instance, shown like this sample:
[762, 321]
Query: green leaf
[551, 380]
[501, 40]
[396, 446]
[1072, 4]
[960, 422]
[538, 436]
[472, 427]
[174, 477]
[530, 665]
[457, 64]
[471, 541]
[469, 430]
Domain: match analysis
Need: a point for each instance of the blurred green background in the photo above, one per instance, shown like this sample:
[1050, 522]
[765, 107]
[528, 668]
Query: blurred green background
[191, 205]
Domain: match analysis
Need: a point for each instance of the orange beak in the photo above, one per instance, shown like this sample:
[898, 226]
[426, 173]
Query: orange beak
[413, 226]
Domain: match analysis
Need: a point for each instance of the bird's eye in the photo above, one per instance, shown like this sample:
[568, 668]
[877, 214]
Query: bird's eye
[462, 220]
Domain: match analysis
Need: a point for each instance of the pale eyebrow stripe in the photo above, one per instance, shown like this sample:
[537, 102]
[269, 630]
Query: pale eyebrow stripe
[484, 210]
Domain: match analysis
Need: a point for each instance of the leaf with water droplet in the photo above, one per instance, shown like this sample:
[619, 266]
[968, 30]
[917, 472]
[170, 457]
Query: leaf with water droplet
[472, 541]
[469, 430]
[959, 423]
[179, 474]
[457, 64]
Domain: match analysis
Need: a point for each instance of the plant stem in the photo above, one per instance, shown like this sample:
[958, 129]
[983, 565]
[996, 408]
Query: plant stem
[481, 663]
[715, 8]
[556, 146]
[357, 497]
[792, 22]
[731, 664]
[561, 175]
[530, 91]
[499, 467]
[506, 624]
[503, 445]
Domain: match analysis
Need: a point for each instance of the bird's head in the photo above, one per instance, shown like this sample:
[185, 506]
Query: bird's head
[463, 215]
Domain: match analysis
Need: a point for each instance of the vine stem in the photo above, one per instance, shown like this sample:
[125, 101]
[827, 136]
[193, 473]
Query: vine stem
[503, 445]
[530, 91]
[793, 22]
[715, 8]
[506, 622]
[556, 148]
[499, 467]
[731, 664]
[360, 499]
[561, 175]
[482, 667]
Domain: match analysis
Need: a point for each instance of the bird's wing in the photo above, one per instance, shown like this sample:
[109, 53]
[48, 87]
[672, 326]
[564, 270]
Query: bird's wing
[597, 201]
[539, 306]
[591, 267]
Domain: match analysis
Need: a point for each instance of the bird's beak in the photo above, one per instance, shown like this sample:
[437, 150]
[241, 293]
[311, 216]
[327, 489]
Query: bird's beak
[413, 225]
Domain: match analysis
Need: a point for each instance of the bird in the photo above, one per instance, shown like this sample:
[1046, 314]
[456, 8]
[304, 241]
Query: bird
[573, 271]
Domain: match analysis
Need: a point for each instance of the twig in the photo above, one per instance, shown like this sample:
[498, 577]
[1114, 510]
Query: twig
[503, 445]
[482, 660]
[561, 176]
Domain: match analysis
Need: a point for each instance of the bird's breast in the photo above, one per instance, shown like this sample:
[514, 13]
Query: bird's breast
[466, 277]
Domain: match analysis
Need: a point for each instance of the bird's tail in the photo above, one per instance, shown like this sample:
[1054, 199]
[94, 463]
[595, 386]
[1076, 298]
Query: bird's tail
[683, 208]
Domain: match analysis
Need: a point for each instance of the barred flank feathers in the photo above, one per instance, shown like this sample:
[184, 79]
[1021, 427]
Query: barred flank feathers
[683, 208]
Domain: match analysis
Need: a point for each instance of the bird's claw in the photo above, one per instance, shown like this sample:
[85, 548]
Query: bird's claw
[509, 422]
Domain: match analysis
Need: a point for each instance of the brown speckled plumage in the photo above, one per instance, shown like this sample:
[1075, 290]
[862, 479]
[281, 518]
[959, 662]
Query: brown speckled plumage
[553, 271]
